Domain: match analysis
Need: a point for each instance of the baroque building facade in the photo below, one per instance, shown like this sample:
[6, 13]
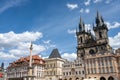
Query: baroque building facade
[18, 70]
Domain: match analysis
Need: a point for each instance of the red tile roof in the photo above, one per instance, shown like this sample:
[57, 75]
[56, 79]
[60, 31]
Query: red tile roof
[25, 61]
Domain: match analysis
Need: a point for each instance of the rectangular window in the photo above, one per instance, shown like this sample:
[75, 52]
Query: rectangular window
[81, 39]
[82, 72]
[95, 70]
[69, 73]
[76, 72]
[107, 70]
[79, 72]
[112, 69]
[99, 70]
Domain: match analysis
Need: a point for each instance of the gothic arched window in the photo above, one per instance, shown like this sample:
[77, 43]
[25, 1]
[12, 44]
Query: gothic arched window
[100, 34]
[81, 39]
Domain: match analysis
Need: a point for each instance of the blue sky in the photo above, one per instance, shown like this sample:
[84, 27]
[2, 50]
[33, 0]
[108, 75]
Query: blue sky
[51, 24]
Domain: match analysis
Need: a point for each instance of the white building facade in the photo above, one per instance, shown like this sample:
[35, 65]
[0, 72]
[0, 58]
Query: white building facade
[18, 70]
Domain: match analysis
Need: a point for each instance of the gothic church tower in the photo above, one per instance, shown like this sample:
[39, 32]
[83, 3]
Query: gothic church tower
[87, 44]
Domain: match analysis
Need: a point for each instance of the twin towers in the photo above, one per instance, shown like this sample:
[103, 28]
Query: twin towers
[89, 44]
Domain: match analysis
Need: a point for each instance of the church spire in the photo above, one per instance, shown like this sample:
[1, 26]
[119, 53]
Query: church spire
[98, 19]
[2, 65]
[102, 20]
[98, 15]
[81, 25]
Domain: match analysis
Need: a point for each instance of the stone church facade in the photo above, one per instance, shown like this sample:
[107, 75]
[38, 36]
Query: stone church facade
[96, 59]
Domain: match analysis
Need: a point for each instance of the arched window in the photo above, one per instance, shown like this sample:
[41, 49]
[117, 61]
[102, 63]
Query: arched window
[77, 78]
[100, 34]
[110, 78]
[102, 78]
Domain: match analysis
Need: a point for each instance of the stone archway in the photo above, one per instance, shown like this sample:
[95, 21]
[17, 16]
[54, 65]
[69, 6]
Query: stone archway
[110, 78]
[77, 78]
[102, 78]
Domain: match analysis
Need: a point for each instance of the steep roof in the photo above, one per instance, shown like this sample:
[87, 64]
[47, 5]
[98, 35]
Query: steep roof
[55, 54]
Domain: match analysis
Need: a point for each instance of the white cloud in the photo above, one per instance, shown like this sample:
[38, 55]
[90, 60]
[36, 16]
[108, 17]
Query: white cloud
[87, 2]
[47, 42]
[81, 10]
[87, 10]
[7, 56]
[113, 25]
[23, 49]
[108, 1]
[17, 45]
[72, 6]
[12, 39]
[69, 56]
[11, 3]
[115, 41]
[97, 1]
[71, 31]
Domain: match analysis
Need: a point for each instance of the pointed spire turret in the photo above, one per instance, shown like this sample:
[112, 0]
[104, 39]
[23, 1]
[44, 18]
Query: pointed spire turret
[102, 20]
[98, 15]
[2, 65]
[81, 25]
[98, 20]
